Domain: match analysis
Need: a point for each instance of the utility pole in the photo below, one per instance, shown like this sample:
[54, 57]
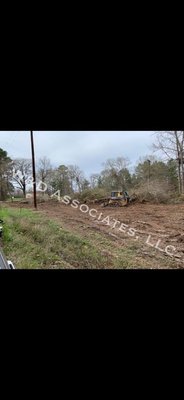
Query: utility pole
[34, 171]
[149, 162]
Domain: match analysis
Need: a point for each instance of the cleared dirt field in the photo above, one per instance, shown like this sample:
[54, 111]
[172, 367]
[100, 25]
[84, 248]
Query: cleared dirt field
[152, 236]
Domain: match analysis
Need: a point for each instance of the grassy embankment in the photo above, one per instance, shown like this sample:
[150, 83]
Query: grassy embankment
[30, 240]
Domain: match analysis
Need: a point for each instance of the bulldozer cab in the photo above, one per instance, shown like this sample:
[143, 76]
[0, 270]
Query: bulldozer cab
[116, 194]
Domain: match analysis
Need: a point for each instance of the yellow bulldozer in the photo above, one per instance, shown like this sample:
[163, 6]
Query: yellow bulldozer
[117, 199]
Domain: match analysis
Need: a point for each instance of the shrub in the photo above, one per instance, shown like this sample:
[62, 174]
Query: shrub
[158, 192]
[91, 194]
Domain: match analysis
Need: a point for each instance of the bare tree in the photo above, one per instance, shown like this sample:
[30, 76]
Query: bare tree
[171, 144]
[117, 164]
[76, 177]
[116, 174]
[22, 174]
[44, 171]
[94, 179]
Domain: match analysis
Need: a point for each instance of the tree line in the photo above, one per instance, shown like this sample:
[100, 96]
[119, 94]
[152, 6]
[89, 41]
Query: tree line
[116, 174]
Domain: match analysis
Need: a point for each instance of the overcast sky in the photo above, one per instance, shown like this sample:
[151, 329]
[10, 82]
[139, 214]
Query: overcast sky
[88, 150]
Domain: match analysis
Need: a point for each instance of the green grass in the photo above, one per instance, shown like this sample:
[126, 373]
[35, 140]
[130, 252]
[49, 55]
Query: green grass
[30, 240]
